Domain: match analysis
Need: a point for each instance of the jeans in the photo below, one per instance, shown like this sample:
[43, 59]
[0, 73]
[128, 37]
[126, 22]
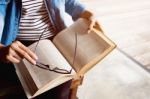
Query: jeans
[10, 86]
[10, 81]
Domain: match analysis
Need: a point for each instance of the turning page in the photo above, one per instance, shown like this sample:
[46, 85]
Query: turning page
[90, 47]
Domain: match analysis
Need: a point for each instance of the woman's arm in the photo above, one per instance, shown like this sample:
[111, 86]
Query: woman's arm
[77, 10]
[15, 52]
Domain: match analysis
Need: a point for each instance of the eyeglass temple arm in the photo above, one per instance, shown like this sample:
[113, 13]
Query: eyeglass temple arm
[40, 65]
[39, 39]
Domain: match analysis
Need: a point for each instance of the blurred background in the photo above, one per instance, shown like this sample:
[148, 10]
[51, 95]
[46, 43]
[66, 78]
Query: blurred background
[123, 74]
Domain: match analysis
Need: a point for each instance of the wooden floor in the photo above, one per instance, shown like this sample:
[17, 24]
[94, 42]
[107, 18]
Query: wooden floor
[125, 73]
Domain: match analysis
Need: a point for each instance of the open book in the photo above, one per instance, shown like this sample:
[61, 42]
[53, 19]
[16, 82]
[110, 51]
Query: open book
[72, 52]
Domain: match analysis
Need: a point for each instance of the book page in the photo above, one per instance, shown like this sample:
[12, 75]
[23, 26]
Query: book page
[27, 84]
[90, 46]
[49, 55]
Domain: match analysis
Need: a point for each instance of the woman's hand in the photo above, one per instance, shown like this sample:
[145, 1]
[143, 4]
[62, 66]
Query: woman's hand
[16, 52]
[92, 20]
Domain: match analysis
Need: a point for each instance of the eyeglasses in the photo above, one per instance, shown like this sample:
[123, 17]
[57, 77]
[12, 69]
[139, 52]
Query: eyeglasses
[56, 69]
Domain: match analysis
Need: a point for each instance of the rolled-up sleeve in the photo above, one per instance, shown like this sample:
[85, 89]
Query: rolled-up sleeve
[74, 8]
[2, 16]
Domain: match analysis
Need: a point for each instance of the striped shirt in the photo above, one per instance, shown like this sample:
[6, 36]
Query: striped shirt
[34, 21]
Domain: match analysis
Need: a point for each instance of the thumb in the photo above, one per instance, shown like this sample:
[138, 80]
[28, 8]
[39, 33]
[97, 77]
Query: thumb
[91, 25]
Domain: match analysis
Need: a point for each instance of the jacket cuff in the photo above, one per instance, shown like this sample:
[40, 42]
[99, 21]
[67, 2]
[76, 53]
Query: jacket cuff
[74, 8]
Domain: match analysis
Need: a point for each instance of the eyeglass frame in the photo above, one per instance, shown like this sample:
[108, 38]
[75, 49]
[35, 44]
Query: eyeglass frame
[56, 69]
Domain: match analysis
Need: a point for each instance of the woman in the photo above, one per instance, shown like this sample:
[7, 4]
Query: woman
[24, 21]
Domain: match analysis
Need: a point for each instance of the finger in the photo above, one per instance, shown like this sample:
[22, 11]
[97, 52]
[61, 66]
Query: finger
[15, 54]
[12, 59]
[97, 26]
[26, 56]
[27, 50]
[91, 25]
[23, 53]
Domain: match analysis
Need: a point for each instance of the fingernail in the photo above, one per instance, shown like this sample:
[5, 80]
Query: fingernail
[34, 62]
[88, 31]
[35, 57]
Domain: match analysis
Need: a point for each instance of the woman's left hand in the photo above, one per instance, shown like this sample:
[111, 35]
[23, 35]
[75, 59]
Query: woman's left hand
[93, 23]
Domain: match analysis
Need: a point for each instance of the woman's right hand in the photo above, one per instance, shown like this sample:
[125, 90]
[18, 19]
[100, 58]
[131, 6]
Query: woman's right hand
[16, 52]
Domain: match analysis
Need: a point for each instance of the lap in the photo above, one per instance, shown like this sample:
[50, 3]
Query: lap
[10, 87]
[10, 83]
[60, 92]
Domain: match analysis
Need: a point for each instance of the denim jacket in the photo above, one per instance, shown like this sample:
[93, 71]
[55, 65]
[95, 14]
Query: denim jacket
[10, 13]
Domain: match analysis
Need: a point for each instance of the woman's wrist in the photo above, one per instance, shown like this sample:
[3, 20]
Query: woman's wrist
[1, 45]
[87, 15]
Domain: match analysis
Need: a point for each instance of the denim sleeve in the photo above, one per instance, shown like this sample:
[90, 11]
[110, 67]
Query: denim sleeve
[74, 8]
[3, 4]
